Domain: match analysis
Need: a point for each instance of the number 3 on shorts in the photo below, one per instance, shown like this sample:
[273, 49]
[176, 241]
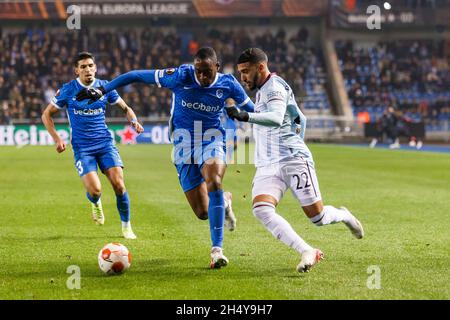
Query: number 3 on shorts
[79, 167]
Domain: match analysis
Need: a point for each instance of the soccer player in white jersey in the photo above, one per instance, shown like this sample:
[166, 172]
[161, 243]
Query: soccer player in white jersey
[283, 160]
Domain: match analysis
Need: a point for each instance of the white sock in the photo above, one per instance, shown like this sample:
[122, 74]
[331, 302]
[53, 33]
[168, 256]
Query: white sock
[226, 201]
[279, 227]
[126, 224]
[330, 215]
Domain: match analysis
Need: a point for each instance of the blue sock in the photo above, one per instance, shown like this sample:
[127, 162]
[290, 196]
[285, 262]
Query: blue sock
[216, 216]
[123, 205]
[92, 199]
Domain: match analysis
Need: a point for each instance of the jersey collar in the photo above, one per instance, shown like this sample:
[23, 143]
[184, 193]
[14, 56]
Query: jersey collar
[267, 79]
[214, 82]
[84, 86]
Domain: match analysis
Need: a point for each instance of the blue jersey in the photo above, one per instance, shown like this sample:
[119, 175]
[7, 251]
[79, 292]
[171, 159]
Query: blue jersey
[192, 102]
[87, 121]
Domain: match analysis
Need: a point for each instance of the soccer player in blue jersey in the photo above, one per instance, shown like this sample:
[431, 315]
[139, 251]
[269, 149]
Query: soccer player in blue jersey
[199, 93]
[91, 141]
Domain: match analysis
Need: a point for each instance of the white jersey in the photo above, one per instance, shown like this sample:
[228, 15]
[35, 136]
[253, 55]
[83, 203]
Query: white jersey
[276, 134]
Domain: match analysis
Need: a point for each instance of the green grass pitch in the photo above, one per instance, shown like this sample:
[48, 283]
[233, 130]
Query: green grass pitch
[402, 198]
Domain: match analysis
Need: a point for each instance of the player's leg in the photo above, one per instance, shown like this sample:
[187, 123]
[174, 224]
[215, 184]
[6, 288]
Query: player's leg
[322, 215]
[197, 195]
[213, 171]
[93, 187]
[115, 177]
[378, 136]
[230, 218]
[267, 191]
[305, 187]
[86, 166]
[393, 135]
[198, 200]
[111, 165]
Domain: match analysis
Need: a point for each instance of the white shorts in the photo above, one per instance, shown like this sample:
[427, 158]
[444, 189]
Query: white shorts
[299, 175]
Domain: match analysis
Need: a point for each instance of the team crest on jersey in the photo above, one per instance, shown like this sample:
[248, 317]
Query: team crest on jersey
[170, 71]
[219, 93]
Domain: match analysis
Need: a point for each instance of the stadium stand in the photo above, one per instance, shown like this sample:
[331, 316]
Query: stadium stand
[35, 62]
[410, 75]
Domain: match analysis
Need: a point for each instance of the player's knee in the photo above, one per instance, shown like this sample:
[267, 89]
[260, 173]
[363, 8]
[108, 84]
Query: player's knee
[214, 183]
[95, 192]
[119, 187]
[120, 190]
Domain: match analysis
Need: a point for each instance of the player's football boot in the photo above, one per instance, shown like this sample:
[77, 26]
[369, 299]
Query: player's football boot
[309, 259]
[395, 145]
[97, 213]
[128, 233]
[354, 225]
[230, 218]
[218, 260]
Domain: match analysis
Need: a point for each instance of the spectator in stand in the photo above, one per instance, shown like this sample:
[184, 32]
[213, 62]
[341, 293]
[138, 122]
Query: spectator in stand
[29, 57]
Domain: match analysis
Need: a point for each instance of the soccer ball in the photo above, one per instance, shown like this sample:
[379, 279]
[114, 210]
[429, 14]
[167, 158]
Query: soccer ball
[114, 258]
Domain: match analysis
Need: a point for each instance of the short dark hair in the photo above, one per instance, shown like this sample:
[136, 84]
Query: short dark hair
[81, 56]
[206, 53]
[252, 55]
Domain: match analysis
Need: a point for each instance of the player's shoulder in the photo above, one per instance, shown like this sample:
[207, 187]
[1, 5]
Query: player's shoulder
[275, 87]
[227, 77]
[182, 72]
[277, 82]
[100, 82]
[67, 87]
[186, 67]
[227, 80]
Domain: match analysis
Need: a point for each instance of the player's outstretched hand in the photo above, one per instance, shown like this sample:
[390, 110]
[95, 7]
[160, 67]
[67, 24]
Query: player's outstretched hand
[234, 113]
[90, 93]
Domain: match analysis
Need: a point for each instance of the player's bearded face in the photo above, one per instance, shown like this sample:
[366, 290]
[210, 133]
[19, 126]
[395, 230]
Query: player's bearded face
[205, 71]
[86, 70]
[249, 75]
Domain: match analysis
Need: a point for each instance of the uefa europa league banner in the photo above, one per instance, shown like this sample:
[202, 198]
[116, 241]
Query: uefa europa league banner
[37, 135]
[63, 9]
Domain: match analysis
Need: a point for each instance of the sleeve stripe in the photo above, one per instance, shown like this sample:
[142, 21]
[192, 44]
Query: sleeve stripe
[157, 78]
[117, 100]
[55, 105]
[273, 99]
[244, 103]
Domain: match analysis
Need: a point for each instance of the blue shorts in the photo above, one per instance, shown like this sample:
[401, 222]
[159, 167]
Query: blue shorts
[105, 158]
[190, 160]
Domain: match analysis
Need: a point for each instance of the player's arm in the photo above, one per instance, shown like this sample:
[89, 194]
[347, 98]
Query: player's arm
[47, 120]
[240, 97]
[135, 76]
[131, 116]
[272, 118]
[247, 105]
